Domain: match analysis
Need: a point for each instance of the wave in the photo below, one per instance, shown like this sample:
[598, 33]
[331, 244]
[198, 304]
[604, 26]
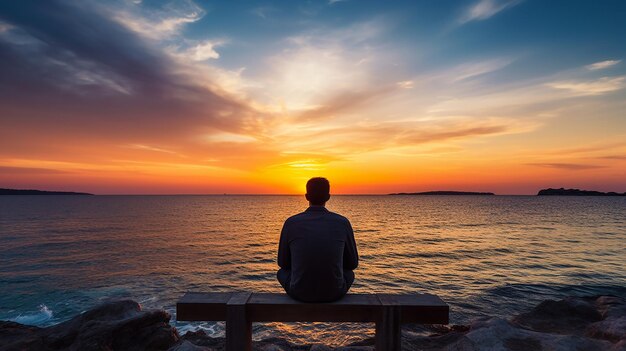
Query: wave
[38, 318]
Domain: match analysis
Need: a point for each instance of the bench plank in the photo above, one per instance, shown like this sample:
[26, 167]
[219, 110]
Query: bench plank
[418, 308]
[196, 306]
[282, 308]
[269, 307]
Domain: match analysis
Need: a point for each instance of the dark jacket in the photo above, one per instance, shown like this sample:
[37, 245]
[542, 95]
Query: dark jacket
[317, 246]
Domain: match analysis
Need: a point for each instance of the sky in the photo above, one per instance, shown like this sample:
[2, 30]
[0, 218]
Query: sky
[255, 97]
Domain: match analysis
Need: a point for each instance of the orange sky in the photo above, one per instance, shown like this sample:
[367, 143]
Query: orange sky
[149, 101]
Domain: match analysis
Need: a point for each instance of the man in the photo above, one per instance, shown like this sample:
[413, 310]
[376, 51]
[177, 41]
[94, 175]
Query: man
[317, 252]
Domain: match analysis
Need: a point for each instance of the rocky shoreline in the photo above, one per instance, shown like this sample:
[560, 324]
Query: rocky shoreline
[574, 323]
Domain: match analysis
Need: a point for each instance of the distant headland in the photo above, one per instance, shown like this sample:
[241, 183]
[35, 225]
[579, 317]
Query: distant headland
[445, 192]
[577, 192]
[37, 192]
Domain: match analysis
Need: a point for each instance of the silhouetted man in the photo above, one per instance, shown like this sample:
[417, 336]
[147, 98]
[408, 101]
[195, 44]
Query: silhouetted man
[317, 252]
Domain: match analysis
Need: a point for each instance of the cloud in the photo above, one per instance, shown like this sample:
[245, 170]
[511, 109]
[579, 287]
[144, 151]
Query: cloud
[376, 136]
[406, 84]
[4, 27]
[604, 147]
[77, 84]
[16, 171]
[72, 41]
[342, 102]
[154, 149]
[475, 69]
[319, 65]
[263, 11]
[596, 87]
[613, 157]
[567, 166]
[602, 65]
[229, 138]
[204, 51]
[485, 9]
[156, 23]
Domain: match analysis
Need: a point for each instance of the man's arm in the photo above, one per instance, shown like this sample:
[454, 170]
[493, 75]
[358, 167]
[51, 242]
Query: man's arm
[350, 253]
[284, 253]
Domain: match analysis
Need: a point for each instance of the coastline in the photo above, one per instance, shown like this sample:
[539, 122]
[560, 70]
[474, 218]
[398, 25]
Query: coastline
[573, 323]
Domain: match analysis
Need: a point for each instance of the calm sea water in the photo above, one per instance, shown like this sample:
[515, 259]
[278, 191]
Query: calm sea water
[494, 255]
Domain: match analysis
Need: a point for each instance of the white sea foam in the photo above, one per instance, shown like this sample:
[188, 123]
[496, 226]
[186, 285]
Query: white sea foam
[214, 330]
[36, 318]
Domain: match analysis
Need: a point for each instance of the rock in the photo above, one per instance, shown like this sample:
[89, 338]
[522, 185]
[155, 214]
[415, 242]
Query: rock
[201, 339]
[499, 334]
[15, 336]
[320, 347]
[355, 348]
[185, 345]
[620, 346]
[431, 343]
[120, 325]
[568, 316]
[272, 344]
[611, 306]
[613, 329]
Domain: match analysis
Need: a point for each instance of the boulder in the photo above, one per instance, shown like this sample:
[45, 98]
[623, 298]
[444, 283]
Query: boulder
[568, 316]
[119, 325]
[499, 334]
[184, 345]
[15, 336]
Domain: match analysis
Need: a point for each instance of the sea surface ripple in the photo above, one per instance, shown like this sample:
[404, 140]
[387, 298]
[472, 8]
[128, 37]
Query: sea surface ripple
[484, 255]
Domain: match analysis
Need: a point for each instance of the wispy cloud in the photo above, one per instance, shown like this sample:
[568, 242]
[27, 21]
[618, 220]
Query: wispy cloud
[406, 84]
[602, 65]
[155, 149]
[263, 11]
[594, 87]
[158, 23]
[485, 9]
[393, 135]
[567, 166]
[604, 147]
[613, 157]
[475, 69]
[16, 171]
[4, 27]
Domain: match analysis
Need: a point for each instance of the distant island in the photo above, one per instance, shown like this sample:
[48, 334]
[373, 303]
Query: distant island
[445, 192]
[37, 192]
[576, 192]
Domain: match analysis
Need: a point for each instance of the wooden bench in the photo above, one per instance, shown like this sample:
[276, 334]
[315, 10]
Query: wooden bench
[240, 309]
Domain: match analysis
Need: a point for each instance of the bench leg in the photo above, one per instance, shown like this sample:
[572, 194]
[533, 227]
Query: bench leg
[238, 327]
[388, 329]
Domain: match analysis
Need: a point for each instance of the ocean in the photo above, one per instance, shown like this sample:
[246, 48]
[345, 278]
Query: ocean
[484, 255]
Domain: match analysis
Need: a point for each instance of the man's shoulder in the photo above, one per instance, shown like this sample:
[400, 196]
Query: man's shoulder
[327, 214]
[338, 217]
[294, 217]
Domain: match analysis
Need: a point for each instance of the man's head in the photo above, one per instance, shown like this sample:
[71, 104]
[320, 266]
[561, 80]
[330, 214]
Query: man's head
[317, 191]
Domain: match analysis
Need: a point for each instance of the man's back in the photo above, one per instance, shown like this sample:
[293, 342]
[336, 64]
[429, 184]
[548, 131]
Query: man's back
[318, 251]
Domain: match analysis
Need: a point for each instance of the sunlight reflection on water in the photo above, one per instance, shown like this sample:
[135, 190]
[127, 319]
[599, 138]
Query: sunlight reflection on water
[484, 255]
